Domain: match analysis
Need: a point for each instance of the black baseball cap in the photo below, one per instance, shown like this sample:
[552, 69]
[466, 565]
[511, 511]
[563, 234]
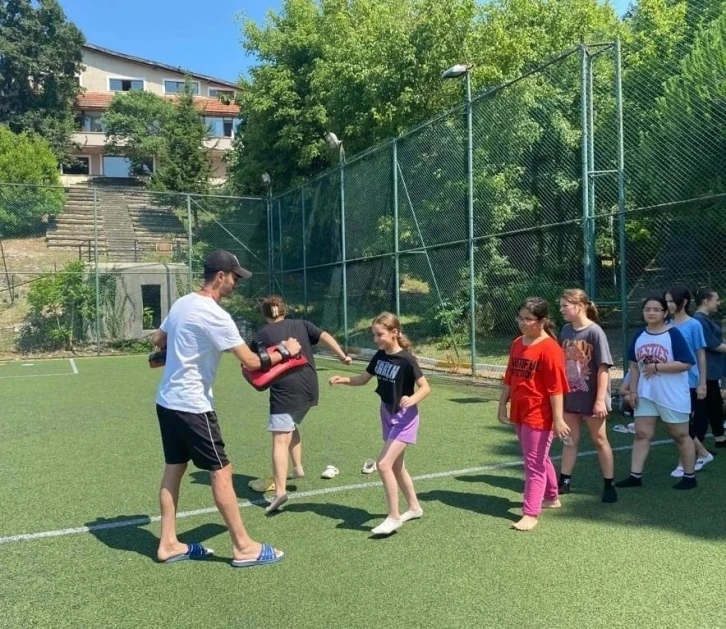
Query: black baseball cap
[221, 260]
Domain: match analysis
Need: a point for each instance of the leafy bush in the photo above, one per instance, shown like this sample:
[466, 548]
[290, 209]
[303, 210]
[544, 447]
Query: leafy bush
[62, 305]
[27, 159]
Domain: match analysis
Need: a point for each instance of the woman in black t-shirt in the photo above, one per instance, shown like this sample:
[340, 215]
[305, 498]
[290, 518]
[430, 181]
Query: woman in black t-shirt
[291, 396]
[397, 372]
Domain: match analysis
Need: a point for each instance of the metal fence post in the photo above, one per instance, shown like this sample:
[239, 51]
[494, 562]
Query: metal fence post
[396, 254]
[97, 278]
[270, 243]
[342, 247]
[621, 201]
[587, 261]
[304, 252]
[470, 204]
[592, 291]
[282, 253]
[190, 241]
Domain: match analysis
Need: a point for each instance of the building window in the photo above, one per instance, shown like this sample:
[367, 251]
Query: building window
[151, 305]
[221, 127]
[177, 87]
[215, 92]
[90, 122]
[79, 166]
[126, 85]
[146, 168]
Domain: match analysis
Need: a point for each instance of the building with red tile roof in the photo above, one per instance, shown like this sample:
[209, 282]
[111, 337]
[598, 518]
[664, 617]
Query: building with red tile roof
[107, 73]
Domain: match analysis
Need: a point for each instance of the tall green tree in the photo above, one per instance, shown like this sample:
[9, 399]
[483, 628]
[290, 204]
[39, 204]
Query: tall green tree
[26, 159]
[185, 165]
[143, 125]
[40, 61]
[370, 69]
[135, 125]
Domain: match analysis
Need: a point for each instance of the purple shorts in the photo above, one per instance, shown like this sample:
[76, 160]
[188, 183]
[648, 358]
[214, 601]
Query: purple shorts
[401, 426]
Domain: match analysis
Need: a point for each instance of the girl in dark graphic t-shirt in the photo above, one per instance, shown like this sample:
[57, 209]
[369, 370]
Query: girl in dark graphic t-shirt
[587, 365]
[396, 372]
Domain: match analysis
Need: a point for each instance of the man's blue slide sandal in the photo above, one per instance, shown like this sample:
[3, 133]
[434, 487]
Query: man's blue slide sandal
[194, 551]
[267, 556]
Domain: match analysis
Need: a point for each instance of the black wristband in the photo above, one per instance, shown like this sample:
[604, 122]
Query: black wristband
[265, 360]
[284, 352]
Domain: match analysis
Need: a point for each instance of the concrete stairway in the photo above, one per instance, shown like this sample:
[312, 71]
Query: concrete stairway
[120, 236]
[74, 228]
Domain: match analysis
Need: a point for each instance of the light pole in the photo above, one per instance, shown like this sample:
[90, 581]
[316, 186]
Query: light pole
[455, 72]
[337, 145]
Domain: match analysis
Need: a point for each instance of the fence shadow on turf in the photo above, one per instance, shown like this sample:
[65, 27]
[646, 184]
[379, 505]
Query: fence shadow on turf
[127, 533]
[350, 517]
[494, 506]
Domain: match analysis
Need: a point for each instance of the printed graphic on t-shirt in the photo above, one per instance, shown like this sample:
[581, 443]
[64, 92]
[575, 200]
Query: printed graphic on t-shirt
[650, 354]
[523, 367]
[387, 371]
[578, 355]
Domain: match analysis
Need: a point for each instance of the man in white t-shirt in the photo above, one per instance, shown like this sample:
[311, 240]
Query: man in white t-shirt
[195, 334]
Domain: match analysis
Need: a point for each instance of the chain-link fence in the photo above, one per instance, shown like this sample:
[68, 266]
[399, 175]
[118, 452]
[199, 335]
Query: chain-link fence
[548, 204]
[404, 227]
[600, 169]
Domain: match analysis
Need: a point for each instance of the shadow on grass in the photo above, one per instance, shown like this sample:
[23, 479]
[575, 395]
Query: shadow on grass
[350, 517]
[510, 483]
[127, 533]
[240, 482]
[494, 506]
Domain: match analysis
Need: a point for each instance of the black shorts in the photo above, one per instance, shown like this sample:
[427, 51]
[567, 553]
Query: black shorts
[191, 436]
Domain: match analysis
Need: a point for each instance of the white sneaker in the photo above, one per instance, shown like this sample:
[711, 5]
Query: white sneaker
[387, 526]
[678, 472]
[701, 461]
[411, 514]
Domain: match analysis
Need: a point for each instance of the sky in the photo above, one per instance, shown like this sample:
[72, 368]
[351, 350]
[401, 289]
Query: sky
[194, 35]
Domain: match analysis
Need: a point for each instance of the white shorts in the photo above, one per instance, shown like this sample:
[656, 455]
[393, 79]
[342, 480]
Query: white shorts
[285, 422]
[649, 408]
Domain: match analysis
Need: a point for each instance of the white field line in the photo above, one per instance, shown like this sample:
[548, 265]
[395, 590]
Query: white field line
[74, 371]
[37, 375]
[28, 537]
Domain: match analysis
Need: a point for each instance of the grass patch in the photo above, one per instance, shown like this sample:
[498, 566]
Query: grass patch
[85, 450]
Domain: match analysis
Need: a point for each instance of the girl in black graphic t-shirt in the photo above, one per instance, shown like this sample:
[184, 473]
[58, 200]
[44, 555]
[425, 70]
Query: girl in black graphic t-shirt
[397, 372]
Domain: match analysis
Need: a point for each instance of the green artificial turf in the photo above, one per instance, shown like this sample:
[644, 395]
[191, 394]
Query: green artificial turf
[84, 450]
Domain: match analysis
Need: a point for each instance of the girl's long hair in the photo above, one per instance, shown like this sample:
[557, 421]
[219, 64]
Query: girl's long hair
[390, 322]
[273, 307]
[579, 297]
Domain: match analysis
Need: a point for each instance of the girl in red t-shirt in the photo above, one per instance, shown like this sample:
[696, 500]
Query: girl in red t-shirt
[534, 385]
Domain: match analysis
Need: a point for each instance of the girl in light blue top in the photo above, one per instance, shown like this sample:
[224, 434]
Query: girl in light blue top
[678, 298]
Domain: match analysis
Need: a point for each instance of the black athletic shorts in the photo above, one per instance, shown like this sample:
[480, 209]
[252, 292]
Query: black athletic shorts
[191, 436]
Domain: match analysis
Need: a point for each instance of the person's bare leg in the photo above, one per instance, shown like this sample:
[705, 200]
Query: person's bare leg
[391, 451]
[405, 483]
[295, 450]
[684, 443]
[644, 431]
[243, 546]
[569, 453]
[599, 438]
[169, 545]
[280, 445]
[701, 451]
